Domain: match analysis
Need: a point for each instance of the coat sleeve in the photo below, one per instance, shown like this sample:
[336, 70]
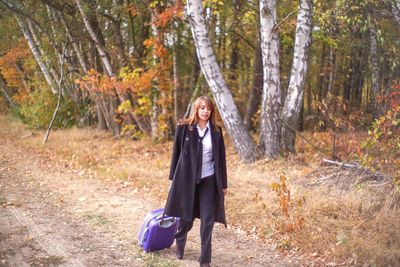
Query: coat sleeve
[223, 163]
[176, 150]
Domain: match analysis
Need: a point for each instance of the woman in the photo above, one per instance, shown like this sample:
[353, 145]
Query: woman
[199, 178]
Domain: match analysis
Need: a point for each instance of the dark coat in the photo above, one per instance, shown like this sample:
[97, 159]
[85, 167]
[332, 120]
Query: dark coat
[183, 173]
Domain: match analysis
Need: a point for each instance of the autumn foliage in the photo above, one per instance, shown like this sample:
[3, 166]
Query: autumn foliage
[15, 64]
[381, 150]
[291, 219]
[337, 117]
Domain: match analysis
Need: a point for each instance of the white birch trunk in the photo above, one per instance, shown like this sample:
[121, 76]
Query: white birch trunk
[270, 124]
[37, 54]
[4, 88]
[222, 95]
[294, 98]
[36, 39]
[81, 58]
[105, 58]
[155, 91]
[93, 29]
[396, 11]
[175, 74]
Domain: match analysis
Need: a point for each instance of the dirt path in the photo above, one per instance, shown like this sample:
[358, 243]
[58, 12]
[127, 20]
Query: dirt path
[53, 215]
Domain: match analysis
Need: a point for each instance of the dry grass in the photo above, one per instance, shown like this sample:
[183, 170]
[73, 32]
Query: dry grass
[345, 221]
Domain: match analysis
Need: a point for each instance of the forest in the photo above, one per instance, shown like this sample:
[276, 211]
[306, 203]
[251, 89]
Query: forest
[283, 75]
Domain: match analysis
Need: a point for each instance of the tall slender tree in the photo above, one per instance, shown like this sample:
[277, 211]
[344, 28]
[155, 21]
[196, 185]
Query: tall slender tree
[294, 98]
[23, 24]
[222, 95]
[271, 97]
[374, 65]
[253, 101]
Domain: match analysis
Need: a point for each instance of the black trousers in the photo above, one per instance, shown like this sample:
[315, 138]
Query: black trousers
[205, 198]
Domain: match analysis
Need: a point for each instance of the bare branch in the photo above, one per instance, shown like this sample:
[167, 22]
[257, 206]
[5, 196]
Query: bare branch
[341, 164]
[62, 7]
[302, 136]
[59, 93]
[284, 20]
[22, 13]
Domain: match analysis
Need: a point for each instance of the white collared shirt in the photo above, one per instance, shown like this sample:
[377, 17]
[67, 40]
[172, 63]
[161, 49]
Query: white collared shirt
[207, 168]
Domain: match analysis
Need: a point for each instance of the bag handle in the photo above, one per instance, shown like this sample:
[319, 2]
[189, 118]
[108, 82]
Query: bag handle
[169, 191]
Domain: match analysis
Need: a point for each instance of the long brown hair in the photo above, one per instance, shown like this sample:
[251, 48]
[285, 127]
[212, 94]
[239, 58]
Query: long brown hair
[194, 115]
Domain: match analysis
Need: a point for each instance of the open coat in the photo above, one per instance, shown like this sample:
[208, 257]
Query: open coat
[181, 197]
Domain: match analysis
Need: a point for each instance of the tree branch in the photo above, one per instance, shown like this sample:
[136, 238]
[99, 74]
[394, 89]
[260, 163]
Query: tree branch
[284, 20]
[22, 13]
[303, 137]
[64, 7]
[59, 93]
[340, 164]
[3, 86]
[244, 39]
[114, 20]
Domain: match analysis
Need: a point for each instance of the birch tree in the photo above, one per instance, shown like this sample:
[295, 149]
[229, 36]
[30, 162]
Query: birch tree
[222, 95]
[36, 53]
[4, 89]
[155, 92]
[396, 10]
[294, 98]
[78, 51]
[374, 69]
[271, 96]
[92, 27]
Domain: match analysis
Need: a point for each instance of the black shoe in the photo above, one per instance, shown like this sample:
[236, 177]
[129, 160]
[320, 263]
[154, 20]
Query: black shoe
[179, 252]
[205, 265]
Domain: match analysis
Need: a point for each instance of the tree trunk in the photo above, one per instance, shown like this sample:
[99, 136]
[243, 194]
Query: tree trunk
[223, 97]
[155, 91]
[294, 99]
[92, 27]
[321, 75]
[177, 88]
[101, 120]
[5, 89]
[140, 34]
[376, 108]
[113, 104]
[332, 63]
[309, 94]
[36, 54]
[234, 44]
[271, 97]
[396, 10]
[52, 70]
[195, 73]
[74, 43]
[119, 43]
[197, 77]
[256, 90]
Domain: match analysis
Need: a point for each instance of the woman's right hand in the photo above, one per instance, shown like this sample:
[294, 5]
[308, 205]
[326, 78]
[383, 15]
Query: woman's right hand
[225, 190]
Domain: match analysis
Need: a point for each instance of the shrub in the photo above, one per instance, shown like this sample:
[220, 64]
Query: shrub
[337, 117]
[381, 149]
[37, 108]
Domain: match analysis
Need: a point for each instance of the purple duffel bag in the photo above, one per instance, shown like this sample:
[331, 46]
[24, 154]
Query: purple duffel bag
[157, 232]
